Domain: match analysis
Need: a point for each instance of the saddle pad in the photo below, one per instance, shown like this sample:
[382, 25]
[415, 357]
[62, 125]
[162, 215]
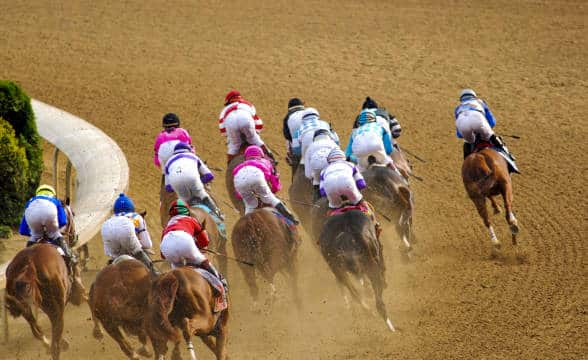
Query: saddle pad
[219, 223]
[220, 302]
[364, 206]
[282, 218]
[122, 258]
[511, 165]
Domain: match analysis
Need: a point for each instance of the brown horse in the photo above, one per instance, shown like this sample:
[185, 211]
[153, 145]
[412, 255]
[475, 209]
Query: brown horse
[485, 175]
[263, 239]
[182, 300]
[401, 162]
[237, 203]
[390, 194]
[38, 276]
[218, 241]
[300, 194]
[349, 245]
[118, 300]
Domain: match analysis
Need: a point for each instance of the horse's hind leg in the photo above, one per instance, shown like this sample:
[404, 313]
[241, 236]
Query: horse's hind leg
[495, 205]
[188, 338]
[480, 203]
[510, 217]
[249, 274]
[55, 315]
[293, 275]
[378, 284]
[27, 313]
[143, 351]
[114, 331]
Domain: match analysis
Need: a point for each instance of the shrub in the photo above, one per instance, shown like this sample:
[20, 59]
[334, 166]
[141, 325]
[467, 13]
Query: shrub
[15, 108]
[15, 170]
[5, 232]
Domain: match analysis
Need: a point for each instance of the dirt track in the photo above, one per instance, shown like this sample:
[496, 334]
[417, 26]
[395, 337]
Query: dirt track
[123, 66]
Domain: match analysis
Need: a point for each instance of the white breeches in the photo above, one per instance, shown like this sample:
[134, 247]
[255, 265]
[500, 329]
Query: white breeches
[185, 180]
[366, 145]
[166, 151]
[318, 161]
[240, 122]
[119, 238]
[250, 183]
[179, 247]
[470, 123]
[41, 216]
[338, 186]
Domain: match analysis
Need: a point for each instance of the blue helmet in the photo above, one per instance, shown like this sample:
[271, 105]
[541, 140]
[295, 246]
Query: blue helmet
[182, 147]
[123, 204]
[366, 116]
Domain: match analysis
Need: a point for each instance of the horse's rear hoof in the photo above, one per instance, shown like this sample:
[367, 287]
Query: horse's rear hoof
[64, 345]
[144, 352]
[495, 250]
[514, 228]
[98, 333]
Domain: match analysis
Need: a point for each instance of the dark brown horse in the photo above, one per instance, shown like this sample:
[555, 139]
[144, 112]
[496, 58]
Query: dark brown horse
[391, 196]
[300, 194]
[401, 162]
[263, 239]
[183, 301]
[38, 276]
[218, 242]
[485, 175]
[349, 245]
[118, 301]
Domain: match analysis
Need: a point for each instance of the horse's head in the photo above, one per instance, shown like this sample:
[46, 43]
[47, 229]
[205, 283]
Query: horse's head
[69, 230]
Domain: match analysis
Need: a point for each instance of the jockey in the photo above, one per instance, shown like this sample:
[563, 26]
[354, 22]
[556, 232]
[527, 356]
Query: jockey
[341, 179]
[44, 216]
[316, 157]
[166, 140]
[474, 119]
[304, 136]
[238, 121]
[186, 174]
[370, 139]
[251, 183]
[182, 239]
[383, 117]
[292, 122]
[125, 233]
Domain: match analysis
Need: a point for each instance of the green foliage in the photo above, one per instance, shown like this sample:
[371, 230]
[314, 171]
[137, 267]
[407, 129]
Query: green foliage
[5, 232]
[15, 108]
[15, 170]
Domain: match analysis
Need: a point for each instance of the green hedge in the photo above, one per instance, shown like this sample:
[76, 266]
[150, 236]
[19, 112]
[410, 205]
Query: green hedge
[21, 155]
[15, 170]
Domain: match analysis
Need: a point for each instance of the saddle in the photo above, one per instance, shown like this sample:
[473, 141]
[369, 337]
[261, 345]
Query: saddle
[218, 287]
[481, 145]
[363, 206]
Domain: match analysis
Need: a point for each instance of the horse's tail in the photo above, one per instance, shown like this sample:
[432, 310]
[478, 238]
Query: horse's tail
[478, 171]
[25, 290]
[164, 297]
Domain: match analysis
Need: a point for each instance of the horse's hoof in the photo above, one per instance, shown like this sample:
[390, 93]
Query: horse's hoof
[64, 345]
[495, 250]
[514, 228]
[144, 352]
[98, 333]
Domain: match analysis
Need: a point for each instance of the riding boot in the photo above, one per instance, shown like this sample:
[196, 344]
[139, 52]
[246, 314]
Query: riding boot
[284, 211]
[496, 141]
[467, 149]
[316, 193]
[207, 265]
[144, 258]
[70, 259]
[269, 153]
[208, 202]
[231, 157]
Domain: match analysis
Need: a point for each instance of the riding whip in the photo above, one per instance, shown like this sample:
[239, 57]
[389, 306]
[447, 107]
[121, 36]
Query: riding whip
[511, 136]
[413, 155]
[302, 203]
[228, 257]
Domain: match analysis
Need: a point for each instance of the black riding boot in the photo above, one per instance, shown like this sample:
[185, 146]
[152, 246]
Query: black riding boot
[316, 193]
[144, 258]
[496, 141]
[284, 211]
[269, 153]
[207, 265]
[70, 259]
[467, 149]
[207, 201]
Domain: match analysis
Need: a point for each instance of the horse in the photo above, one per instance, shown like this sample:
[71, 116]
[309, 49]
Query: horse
[38, 276]
[118, 299]
[300, 194]
[263, 238]
[401, 162]
[349, 245]
[485, 174]
[390, 194]
[217, 239]
[182, 300]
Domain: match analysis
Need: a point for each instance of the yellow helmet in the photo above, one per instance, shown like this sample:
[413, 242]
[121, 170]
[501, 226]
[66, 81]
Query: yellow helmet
[45, 189]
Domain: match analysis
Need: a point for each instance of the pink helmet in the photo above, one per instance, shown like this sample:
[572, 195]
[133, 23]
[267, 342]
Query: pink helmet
[253, 151]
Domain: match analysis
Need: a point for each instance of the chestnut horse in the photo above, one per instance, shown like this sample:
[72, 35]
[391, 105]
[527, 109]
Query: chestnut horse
[264, 239]
[183, 301]
[349, 244]
[118, 300]
[37, 276]
[390, 194]
[485, 175]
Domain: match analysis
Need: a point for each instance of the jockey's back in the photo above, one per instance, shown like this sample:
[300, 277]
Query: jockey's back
[177, 134]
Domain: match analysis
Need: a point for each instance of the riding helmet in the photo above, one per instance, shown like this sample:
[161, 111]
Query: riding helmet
[467, 94]
[171, 120]
[369, 103]
[178, 207]
[47, 190]
[123, 204]
[231, 95]
[295, 102]
[366, 116]
[253, 151]
[182, 147]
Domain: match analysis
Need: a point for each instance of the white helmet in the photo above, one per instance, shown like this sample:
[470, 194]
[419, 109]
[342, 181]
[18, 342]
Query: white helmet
[309, 112]
[467, 93]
